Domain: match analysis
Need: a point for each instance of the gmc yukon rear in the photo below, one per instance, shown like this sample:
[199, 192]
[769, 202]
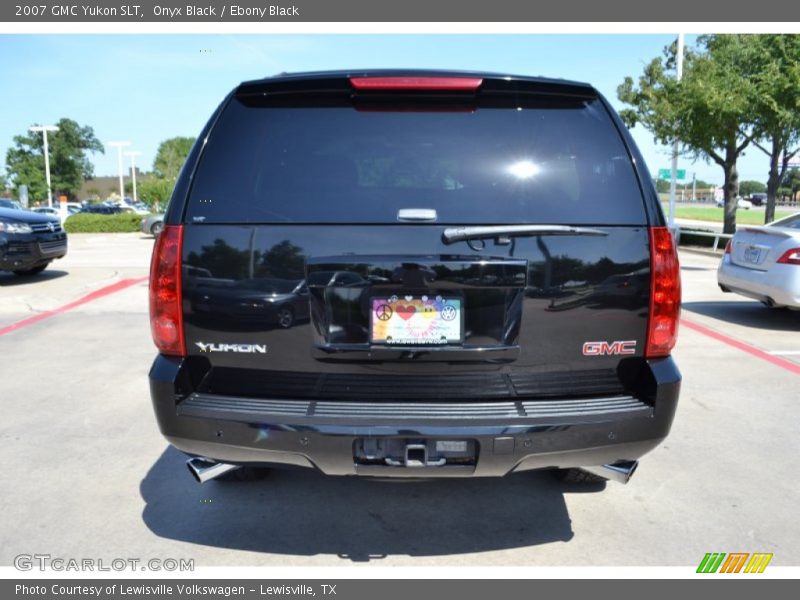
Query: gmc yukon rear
[415, 274]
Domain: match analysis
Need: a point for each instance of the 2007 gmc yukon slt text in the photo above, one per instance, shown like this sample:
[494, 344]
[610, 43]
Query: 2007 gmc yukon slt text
[415, 274]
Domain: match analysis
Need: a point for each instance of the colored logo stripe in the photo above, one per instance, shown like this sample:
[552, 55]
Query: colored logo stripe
[758, 562]
[734, 562]
[712, 562]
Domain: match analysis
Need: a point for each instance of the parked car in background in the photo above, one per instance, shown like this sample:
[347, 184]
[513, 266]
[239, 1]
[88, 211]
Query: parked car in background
[101, 209]
[740, 203]
[140, 208]
[47, 210]
[152, 224]
[763, 262]
[55, 210]
[12, 204]
[29, 241]
[758, 199]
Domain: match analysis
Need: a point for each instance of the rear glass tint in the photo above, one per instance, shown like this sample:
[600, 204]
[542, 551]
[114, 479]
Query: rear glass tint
[545, 162]
[792, 222]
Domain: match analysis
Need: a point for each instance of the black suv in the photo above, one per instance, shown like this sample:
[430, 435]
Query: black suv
[489, 283]
[29, 241]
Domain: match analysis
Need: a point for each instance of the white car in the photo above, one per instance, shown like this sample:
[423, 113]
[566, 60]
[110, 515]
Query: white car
[763, 262]
[55, 211]
[47, 210]
[740, 203]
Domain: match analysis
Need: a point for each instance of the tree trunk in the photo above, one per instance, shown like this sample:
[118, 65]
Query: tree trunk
[730, 187]
[774, 180]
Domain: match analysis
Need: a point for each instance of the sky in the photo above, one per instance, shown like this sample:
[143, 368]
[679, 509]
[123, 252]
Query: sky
[147, 88]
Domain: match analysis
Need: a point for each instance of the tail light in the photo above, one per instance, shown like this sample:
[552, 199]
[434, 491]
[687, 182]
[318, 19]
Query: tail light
[665, 293]
[166, 313]
[790, 257]
[728, 247]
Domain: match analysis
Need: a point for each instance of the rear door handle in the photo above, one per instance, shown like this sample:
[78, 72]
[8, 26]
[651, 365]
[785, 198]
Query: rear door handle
[417, 215]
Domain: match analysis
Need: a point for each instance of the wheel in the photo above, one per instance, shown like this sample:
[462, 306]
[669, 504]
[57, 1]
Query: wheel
[285, 317]
[577, 476]
[32, 271]
[156, 228]
[245, 474]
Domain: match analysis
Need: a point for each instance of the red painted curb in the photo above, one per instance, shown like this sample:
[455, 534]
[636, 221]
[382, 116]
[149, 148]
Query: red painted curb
[721, 337]
[104, 291]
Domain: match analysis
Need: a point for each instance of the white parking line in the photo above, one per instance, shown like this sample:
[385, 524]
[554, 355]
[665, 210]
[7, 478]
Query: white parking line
[784, 352]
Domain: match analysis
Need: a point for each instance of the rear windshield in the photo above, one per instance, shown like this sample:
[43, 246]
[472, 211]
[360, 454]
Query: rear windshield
[792, 222]
[545, 162]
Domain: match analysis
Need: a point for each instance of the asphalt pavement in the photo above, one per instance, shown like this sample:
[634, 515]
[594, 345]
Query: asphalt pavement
[87, 474]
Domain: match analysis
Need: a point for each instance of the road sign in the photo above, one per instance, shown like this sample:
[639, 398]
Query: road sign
[666, 174]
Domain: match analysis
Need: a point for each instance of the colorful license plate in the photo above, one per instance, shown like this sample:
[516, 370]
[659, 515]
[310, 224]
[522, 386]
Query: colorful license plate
[416, 321]
[752, 254]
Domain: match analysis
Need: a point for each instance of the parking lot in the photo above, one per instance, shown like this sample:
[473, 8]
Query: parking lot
[87, 473]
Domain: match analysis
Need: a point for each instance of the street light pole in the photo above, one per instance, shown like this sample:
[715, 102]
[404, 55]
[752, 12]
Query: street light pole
[44, 129]
[133, 156]
[119, 146]
[675, 146]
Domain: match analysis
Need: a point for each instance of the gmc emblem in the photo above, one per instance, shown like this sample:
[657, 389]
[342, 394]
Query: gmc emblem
[606, 349]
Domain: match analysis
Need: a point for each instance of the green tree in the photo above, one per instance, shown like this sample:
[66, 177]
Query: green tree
[223, 260]
[662, 185]
[751, 187]
[69, 162]
[709, 112]
[792, 182]
[777, 106]
[171, 155]
[155, 191]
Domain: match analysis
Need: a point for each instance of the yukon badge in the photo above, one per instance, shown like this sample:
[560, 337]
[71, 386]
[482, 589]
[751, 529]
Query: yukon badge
[608, 349]
[244, 348]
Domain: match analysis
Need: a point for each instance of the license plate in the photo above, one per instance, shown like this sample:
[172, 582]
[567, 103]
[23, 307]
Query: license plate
[752, 255]
[416, 321]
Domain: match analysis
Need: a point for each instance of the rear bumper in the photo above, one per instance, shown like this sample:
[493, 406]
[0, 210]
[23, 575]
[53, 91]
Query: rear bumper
[780, 284]
[506, 436]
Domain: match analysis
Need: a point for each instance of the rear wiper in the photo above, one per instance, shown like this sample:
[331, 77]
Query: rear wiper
[457, 234]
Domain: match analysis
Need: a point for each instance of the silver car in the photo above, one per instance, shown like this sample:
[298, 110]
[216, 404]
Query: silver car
[152, 224]
[763, 262]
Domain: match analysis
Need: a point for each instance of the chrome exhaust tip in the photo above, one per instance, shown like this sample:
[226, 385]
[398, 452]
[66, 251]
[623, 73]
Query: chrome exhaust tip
[205, 470]
[620, 471]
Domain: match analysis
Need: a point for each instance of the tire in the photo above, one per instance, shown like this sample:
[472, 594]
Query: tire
[245, 474]
[285, 318]
[33, 271]
[156, 228]
[578, 476]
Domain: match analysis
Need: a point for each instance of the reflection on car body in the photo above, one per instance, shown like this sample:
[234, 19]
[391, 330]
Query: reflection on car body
[273, 301]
